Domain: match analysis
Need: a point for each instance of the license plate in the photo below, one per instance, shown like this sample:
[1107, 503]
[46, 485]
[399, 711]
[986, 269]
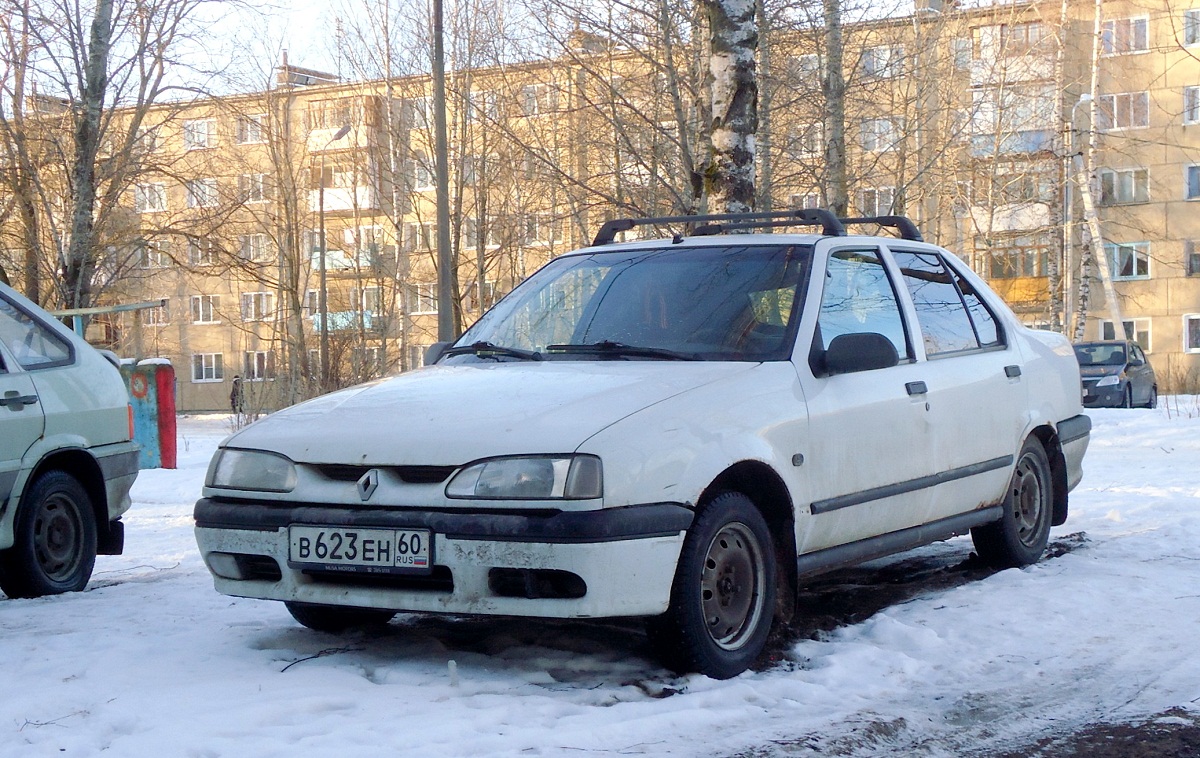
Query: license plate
[373, 551]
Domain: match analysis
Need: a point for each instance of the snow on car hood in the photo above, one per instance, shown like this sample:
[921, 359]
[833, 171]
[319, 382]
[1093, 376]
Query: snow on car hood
[450, 415]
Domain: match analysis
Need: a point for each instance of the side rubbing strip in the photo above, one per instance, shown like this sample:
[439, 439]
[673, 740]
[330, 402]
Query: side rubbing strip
[912, 485]
[1074, 428]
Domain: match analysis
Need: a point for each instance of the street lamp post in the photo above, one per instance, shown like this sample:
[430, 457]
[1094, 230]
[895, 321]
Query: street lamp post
[323, 292]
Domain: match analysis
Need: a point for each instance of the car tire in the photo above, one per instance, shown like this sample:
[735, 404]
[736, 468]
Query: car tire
[1127, 401]
[1152, 403]
[54, 547]
[723, 596]
[336, 618]
[1020, 536]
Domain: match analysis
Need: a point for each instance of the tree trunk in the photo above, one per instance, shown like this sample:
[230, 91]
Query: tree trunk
[833, 86]
[733, 45]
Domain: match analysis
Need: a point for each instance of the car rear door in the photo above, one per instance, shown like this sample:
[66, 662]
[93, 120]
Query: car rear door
[867, 454]
[976, 395]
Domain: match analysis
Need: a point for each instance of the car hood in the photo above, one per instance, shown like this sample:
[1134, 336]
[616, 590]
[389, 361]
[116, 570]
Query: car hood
[1091, 372]
[451, 415]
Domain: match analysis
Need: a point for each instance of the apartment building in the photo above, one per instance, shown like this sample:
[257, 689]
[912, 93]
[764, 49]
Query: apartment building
[254, 215]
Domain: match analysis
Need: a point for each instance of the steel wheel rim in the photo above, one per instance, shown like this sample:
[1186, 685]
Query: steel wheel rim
[731, 586]
[1028, 500]
[57, 537]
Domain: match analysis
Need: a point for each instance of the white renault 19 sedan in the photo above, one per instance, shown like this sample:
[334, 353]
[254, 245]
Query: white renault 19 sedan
[680, 429]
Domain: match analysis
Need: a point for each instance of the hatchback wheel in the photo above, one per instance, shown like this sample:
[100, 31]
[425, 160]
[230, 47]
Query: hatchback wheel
[1019, 538]
[54, 547]
[1127, 401]
[723, 598]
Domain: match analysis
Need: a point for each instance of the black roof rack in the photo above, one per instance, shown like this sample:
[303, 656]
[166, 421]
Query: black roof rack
[828, 222]
[718, 223]
[908, 230]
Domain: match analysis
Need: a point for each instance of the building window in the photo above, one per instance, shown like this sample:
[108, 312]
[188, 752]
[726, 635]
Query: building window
[1128, 110]
[201, 193]
[806, 200]
[883, 62]
[1191, 333]
[202, 252]
[474, 234]
[804, 70]
[1012, 257]
[157, 316]
[422, 298]
[1126, 35]
[484, 105]
[208, 367]
[962, 50]
[259, 365]
[258, 306]
[204, 309]
[419, 236]
[1191, 105]
[1191, 27]
[252, 129]
[311, 303]
[1193, 182]
[1125, 186]
[879, 134]
[1136, 329]
[537, 99]
[1129, 260]
[154, 254]
[876, 201]
[420, 168]
[807, 140]
[254, 188]
[414, 112]
[150, 198]
[146, 139]
[1191, 257]
[1022, 39]
[541, 229]
[199, 134]
[253, 247]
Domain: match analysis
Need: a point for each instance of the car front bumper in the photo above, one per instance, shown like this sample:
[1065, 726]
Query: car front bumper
[625, 559]
[1104, 397]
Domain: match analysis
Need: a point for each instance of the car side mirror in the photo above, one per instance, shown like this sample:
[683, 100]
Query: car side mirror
[1135, 362]
[865, 351]
[435, 351]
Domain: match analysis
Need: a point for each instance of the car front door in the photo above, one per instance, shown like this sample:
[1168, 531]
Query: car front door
[868, 446]
[21, 420]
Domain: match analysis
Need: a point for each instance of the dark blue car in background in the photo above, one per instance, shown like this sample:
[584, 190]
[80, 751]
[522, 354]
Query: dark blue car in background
[1116, 374]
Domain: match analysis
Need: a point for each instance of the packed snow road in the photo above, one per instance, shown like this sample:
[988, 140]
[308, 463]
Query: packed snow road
[922, 654]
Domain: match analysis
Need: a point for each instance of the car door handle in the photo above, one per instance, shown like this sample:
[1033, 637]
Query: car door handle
[916, 388]
[12, 398]
[1012, 372]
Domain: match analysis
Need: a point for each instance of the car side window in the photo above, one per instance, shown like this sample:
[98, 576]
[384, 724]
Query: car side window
[944, 311]
[859, 298]
[32, 343]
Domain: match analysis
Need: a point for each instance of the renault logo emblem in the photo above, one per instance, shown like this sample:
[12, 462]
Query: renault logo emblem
[368, 484]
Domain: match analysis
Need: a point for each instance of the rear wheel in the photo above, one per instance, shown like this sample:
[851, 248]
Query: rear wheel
[54, 548]
[335, 618]
[723, 598]
[1019, 538]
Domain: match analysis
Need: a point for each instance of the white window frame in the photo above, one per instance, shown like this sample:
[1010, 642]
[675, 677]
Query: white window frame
[258, 365]
[1133, 325]
[1120, 108]
[1109, 36]
[1191, 182]
[202, 252]
[421, 170]
[420, 236]
[1191, 27]
[200, 134]
[808, 140]
[206, 309]
[883, 61]
[147, 139]
[1191, 105]
[879, 135]
[258, 306]
[202, 193]
[254, 247]
[254, 188]
[539, 99]
[1141, 251]
[154, 254]
[150, 197]
[423, 298]
[159, 315]
[876, 194]
[251, 129]
[208, 368]
[484, 105]
[804, 200]
[1121, 186]
[1188, 320]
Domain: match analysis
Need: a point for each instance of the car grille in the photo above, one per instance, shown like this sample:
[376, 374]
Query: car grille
[407, 474]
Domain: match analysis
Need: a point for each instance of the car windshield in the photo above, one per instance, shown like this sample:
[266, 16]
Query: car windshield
[1100, 355]
[727, 302]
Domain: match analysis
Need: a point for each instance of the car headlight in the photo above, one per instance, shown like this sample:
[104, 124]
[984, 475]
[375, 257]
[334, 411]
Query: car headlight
[251, 470]
[530, 477]
[1109, 381]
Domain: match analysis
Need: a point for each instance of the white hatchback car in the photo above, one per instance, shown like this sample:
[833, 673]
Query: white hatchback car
[67, 459]
[680, 429]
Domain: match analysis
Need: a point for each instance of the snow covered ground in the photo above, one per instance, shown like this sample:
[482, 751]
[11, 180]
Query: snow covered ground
[151, 661]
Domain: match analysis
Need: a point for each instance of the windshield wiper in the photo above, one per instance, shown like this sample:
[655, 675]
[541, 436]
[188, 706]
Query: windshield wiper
[608, 348]
[490, 350]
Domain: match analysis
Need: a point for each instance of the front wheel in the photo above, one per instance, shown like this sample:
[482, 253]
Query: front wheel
[723, 597]
[1152, 403]
[336, 618]
[1127, 402]
[1019, 538]
[54, 547]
